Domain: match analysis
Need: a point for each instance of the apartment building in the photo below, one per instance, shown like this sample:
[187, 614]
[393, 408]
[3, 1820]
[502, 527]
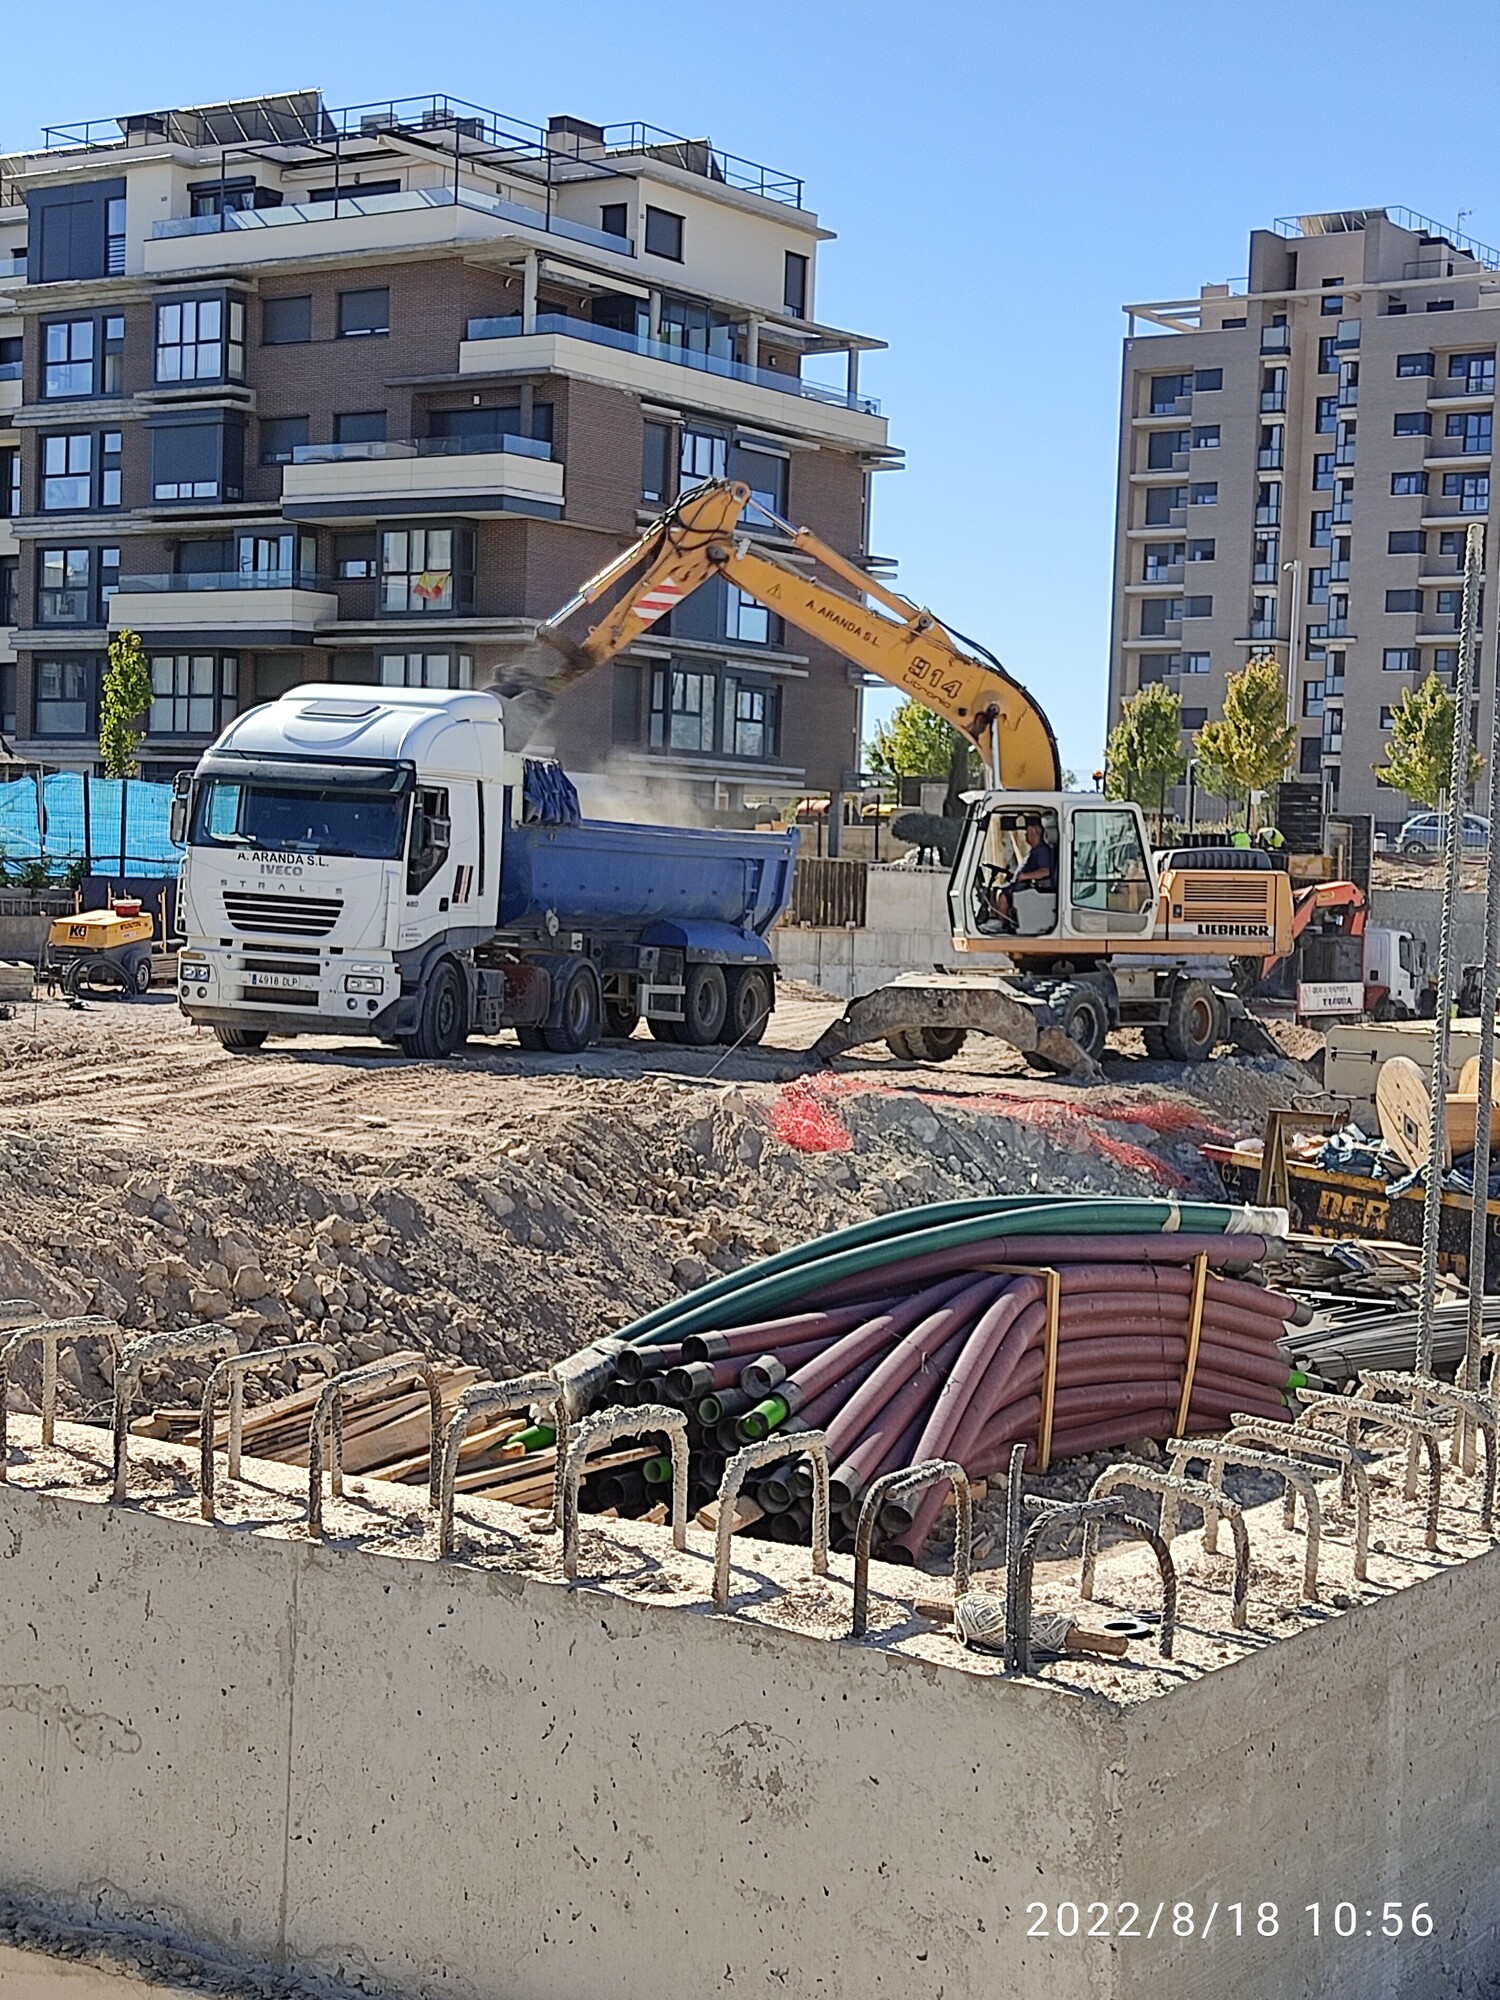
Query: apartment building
[361, 394]
[1300, 460]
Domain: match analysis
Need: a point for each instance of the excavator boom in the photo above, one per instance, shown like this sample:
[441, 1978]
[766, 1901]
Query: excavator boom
[901, 643]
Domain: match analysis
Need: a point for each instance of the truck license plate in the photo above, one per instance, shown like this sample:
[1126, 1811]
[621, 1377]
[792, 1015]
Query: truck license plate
[292, 980]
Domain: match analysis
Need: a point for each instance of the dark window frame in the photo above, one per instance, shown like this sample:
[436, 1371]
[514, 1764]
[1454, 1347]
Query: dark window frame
[100, 580]
[796, 272]
[90, 667]
[104, 361]
[188, 335]
[366, 426]
[614, 218]
[664, 224]
[345, 312]
[271, 306]
[103, 470]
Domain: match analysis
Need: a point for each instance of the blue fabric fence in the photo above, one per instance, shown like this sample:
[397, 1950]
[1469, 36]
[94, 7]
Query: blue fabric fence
[119, 826]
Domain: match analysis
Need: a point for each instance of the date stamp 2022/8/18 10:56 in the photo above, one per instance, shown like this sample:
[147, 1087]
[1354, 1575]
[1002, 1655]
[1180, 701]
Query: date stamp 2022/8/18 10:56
[1125, 1920]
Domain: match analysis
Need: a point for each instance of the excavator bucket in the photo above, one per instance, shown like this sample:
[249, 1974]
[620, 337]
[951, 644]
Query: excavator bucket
[910, 1010]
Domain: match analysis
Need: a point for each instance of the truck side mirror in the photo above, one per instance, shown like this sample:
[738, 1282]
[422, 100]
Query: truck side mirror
[177, 820]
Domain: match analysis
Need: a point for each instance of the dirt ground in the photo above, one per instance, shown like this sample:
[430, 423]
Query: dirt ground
[505, 1208]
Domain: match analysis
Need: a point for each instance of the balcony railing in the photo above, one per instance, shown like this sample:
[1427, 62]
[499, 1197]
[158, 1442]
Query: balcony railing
[439, 447]
[1344, 455]
[1275, 340]
[1172, 406]
[1348, 398]
[1162, 573]
[1338, 572]
[1343, 510]
[1264, 573]
[1268, 517]
[228, 579]
[1273, 399]
[291, 214]
[1270, 458]
[512, 327]
[10, 371]
[1262, 628]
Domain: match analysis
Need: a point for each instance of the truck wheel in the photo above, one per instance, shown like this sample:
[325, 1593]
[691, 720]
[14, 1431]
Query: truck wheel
[621, 1018]
[1193, 1023]
[442, 1017]
[927, 1044]
[575, 1017]
[1084, 1019]
[240, 1041]
[1156, 1044]
[531, 1038]
[750, 1001]
[705, 1007]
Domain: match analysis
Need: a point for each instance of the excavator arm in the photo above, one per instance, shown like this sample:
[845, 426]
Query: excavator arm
[901, 643]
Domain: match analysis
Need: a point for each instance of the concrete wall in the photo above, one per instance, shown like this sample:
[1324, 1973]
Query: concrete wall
[1420, 911]
[906, 930]
[473, 1781]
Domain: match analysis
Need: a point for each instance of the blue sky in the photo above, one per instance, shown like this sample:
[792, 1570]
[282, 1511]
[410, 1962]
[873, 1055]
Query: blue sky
[1001, 177]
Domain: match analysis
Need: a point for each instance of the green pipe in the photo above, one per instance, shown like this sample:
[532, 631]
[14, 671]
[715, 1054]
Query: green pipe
[535, 1437]
[762, 1287]
[763, 1419]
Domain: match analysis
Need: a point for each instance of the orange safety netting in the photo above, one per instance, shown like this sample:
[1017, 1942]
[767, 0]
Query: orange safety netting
[800, 1119]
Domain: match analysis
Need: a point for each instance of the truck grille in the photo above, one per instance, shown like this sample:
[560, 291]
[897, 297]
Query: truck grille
[276, 916]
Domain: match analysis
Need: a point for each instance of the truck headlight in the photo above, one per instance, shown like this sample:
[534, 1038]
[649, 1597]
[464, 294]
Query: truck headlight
[192, 968]
[358, 982]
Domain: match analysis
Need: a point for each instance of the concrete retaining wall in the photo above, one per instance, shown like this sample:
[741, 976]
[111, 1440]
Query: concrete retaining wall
[1420, 911]
[906, 930]
[470, 1781]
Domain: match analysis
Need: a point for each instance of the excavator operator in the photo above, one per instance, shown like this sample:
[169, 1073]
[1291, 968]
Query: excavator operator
[1037, 871]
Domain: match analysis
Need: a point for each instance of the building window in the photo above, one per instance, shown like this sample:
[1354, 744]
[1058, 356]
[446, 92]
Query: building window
[656, 459]
[764, 472]
[286, 322]
[1411, 423]
[614, 218]
[1477, 370]
[1157, 613]
[280, 437]
[74, 586]
[193, 694]
[1158, 561]
[1328, 359]
[10, 598]
[359, 427]
[794, 285]
[1317, 586]
[1440, 305]
[702, 455]
[1200, 551]
[1192, 718]
[1450, 604]
[67, 696]
[1268, 504]
[1406, 542]
[1167, 391]
[749, 709]
[1327, 420]
[1209, 378]
[197, 460]
[1408, 482]
[68, 357]
[77, 231]
[1197, 607]
[1154, 667]
[1203, 493]
[354, 555]
[1320, 529]
[1312, 699]
[366, 312]
[1470, 489]
[1414, 364]
[1399, 659]
[746, 620]
[80, 471]
[426, 569]
[1474, 427]
[1162, 502]
[228, 197]
[664, 234]
[1205, 437]
[1403, 600]
[10, 481]
[1163, 448]
[200, 340]
[1331, 303]
[1323, 471]
[682, 709]
[1195, 663]
[426, 670]
[114, 236]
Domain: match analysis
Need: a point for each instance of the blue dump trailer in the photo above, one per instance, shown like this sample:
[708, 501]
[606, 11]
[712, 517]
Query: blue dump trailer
[374, 861]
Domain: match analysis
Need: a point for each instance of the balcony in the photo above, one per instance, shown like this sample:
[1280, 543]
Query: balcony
[256, 228]
[1266, 572]
[1262, 628]
[1273, 399]
[1162, 573]
[1275, 340]
[1270, 458]
[1268, 517]
[1343, 511]
[1344, 455]
[1348, 397]
[472, 477]
[226, 606]
[561, 345]
[1338, 572]
[10, 385]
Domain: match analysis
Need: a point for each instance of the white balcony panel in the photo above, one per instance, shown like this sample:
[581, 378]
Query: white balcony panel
[165, 611]
[470, 483]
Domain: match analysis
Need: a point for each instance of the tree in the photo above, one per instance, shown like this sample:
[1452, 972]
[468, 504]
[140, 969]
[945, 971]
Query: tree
[916, 743]
[1419, 756]
[125, 697]
[1144, 759]
[1250, 747]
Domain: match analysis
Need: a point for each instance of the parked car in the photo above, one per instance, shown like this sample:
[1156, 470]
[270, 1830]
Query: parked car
[1425, 833]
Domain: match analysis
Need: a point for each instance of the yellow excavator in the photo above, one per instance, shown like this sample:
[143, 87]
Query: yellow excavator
[1057, 894]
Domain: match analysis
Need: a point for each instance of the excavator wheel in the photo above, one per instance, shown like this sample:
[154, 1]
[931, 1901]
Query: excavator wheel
[1084, 1019]
[933, 1045]
[1194, 1022]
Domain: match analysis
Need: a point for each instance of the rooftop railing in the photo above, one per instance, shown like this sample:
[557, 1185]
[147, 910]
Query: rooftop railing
[512, 326]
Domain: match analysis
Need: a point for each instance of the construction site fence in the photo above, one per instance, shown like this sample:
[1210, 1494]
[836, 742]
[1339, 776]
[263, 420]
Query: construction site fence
[829, 894]
[114, 826]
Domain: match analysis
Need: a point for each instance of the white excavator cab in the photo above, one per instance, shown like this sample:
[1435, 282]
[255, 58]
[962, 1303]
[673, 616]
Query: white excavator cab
[1037, 871]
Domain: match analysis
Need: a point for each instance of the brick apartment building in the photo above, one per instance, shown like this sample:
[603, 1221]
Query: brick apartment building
[1300, 459]
[301, 393]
